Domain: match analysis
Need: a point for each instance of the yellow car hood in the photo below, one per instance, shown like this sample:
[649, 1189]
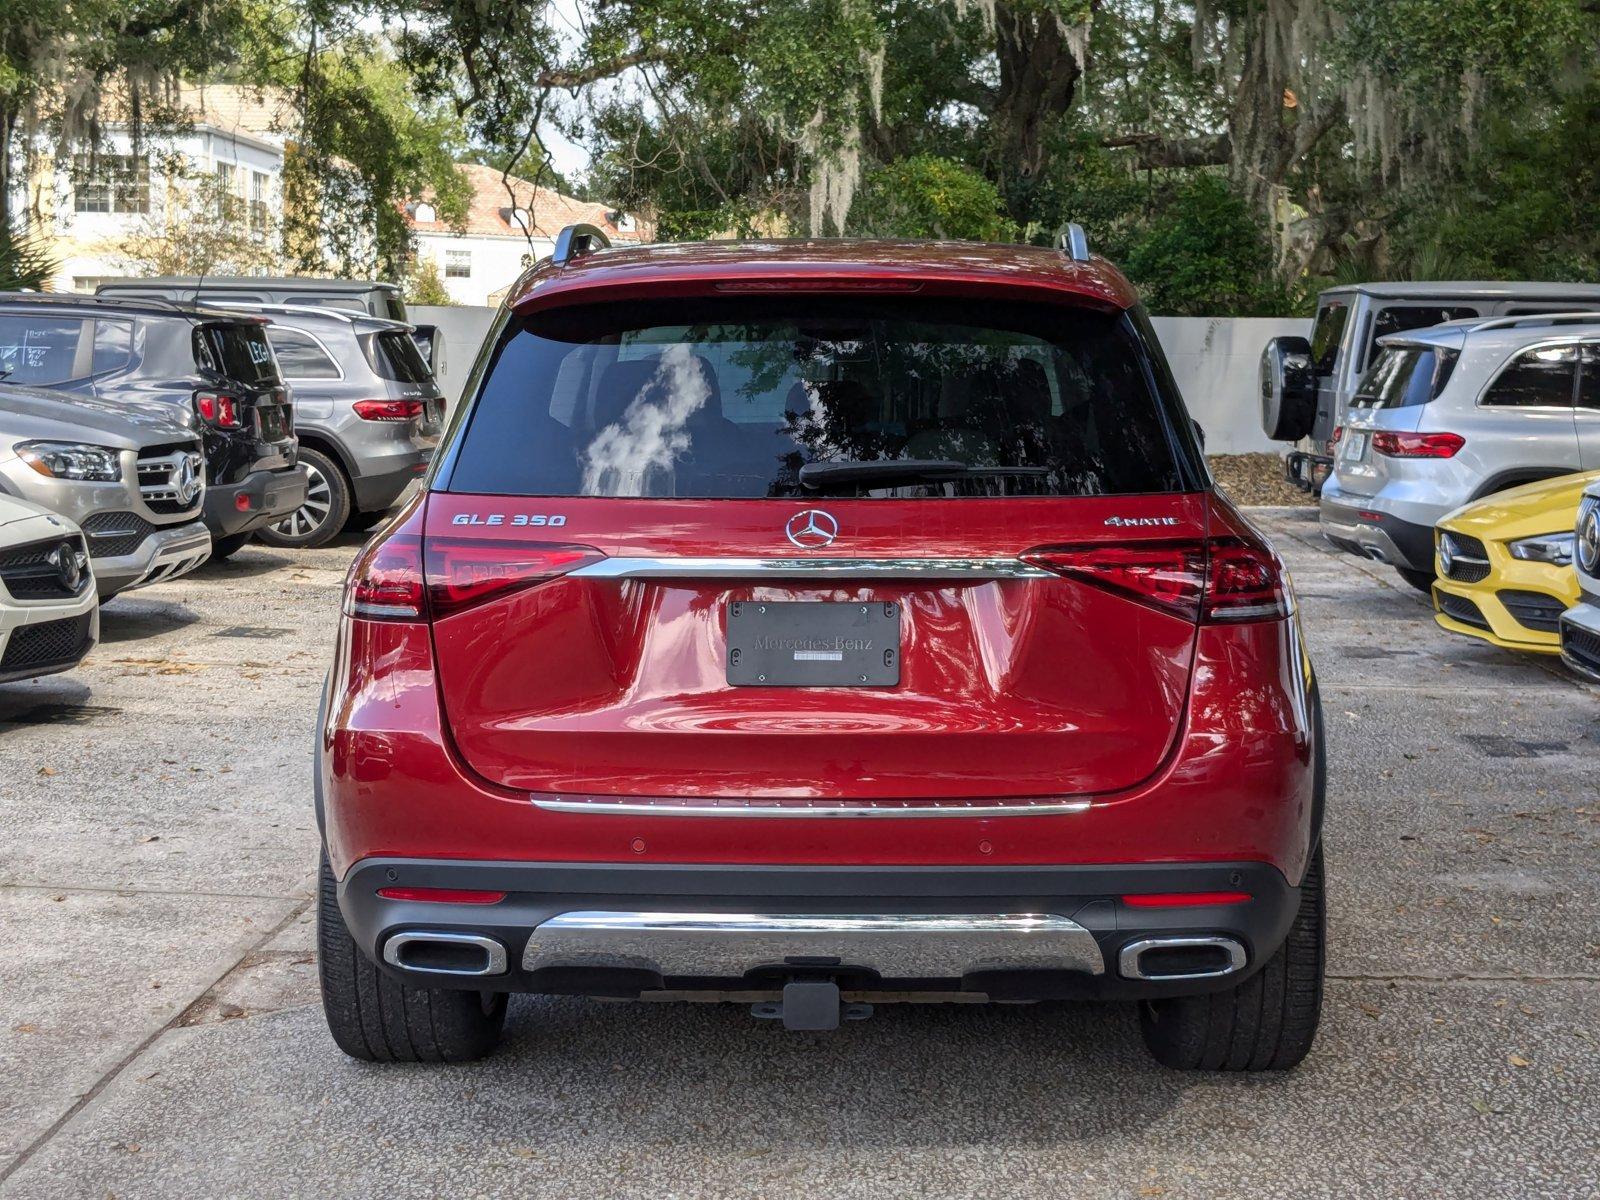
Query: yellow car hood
[1549, 506]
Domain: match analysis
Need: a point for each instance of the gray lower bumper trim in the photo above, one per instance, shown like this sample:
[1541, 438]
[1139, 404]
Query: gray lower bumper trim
[896, 946]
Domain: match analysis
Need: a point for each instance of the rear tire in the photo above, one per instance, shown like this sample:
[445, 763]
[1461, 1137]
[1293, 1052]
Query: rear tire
[376, 1018]
[1266, 1023]
[327, 506]
[1421, 580]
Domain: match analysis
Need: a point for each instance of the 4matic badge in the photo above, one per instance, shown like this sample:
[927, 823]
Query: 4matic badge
[1120, 521]
[543, 520]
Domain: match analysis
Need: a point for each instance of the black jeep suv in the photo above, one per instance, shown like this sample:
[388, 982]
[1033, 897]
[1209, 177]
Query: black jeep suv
[216, 367]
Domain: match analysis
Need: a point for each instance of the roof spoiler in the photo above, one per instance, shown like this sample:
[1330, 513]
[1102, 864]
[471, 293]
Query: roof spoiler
[577, 240]
[1073, 242]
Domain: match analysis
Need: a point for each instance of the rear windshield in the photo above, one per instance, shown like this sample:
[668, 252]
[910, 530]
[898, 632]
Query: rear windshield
[395, 356]
[734, 396]
[241, 352]
[1404, 376]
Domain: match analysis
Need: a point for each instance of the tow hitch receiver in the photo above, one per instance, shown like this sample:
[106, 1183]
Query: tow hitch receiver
[810, 1004]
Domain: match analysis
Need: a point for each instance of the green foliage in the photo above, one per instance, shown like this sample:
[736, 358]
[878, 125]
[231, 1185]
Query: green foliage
[424, 286]
[24, 261]
[926, 196]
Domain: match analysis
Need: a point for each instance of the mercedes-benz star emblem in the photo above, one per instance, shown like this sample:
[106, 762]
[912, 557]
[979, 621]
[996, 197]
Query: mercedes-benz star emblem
[1447, 556]
[811, 529]
[69, 562]
[1589, 542]
[186, 478]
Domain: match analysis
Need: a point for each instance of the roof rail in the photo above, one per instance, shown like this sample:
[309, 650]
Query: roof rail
[1073, 242]
[577, 240]
[348, 316]
[1588, 317]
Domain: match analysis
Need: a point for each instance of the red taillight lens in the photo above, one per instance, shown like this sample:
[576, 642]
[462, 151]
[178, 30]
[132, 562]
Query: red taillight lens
[1338, 432]
[1417, 445]
[1244, 582]
[217, 408]
[1183, 899]
[385, 581]
[441, 895]
[1222, 579]
[1168, 575]
[463, 572]
[388, 410]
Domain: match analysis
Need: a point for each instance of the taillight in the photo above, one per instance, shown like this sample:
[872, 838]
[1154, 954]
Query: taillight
[217, 408]
[385, 581]
[1222, 579]
[388, 410]
[1167, 575]
[1417, 445]
[464, 572]
[1338, 432]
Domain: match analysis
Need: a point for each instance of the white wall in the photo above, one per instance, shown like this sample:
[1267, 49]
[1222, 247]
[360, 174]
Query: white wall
[496, 262]
[1215, 360]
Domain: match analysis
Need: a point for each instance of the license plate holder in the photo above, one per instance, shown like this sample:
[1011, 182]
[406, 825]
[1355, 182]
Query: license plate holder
[813, 643]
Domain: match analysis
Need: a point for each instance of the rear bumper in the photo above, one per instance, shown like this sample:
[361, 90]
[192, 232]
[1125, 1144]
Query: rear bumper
[380, 489]
[1005, 932]
[1307, 471]
[1369, 532]
[261, 498]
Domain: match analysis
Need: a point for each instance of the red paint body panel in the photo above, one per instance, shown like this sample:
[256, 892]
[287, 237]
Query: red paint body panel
[933, 269]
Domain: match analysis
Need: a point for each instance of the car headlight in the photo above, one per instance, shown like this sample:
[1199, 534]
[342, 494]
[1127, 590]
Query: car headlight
[1553, 548]
[72, 460]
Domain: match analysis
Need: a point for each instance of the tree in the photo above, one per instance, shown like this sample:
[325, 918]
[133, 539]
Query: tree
[201, 228]
[24, 261]
[423, 285]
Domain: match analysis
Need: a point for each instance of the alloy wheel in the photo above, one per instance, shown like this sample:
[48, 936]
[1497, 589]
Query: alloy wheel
[310, 516]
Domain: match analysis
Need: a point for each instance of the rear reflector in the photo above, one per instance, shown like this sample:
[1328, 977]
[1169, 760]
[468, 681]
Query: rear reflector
[1221, 579]
[1183, 899]
[441, 895]
[1417, 445]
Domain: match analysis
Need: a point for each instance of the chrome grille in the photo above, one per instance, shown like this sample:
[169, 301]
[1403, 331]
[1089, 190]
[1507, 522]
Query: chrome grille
[167, 472]
[1469, 560]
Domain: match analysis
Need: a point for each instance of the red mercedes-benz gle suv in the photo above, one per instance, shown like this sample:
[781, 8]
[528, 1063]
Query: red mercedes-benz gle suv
[816, 622]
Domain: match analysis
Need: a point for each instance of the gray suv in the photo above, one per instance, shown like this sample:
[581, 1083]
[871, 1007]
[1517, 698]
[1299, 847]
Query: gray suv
[129, 475]
[366, 410]
[1451, 414]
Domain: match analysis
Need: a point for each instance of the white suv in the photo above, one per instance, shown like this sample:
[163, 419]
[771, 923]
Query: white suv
[49, 614]
[1580, 624]
[1450, 414]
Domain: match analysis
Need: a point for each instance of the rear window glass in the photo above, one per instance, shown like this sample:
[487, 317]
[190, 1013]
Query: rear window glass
[1404, 376]
[1326, 335]
[38, 349]
[240, 352]
[395, 356]
[1402, 318]
[734, 397]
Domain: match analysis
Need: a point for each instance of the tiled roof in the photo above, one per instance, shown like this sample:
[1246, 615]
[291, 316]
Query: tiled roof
[495, 197]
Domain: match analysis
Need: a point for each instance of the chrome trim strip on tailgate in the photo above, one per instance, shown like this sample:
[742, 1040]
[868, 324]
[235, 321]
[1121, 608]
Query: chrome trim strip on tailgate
[895, 945]
[807, 568]
[797, 809]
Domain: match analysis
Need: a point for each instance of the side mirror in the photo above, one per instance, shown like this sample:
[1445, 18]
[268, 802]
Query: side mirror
[1288, 389]
[1199, 432]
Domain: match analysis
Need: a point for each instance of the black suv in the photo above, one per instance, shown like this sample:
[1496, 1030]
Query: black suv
[216, 367]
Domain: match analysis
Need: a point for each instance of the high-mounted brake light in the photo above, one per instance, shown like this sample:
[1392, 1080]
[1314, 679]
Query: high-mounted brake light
[465, 572]
[218, 409]
[1218, 580]
[388, 410]
[1417, 445]
[819, 285]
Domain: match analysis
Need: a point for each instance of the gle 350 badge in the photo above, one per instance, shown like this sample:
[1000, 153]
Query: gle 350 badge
[537, 520]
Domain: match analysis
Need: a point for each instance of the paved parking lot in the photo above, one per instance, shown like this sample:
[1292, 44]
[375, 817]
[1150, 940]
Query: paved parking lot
[161, 1035]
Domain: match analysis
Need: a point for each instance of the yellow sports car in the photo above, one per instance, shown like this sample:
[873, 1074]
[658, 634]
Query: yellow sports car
[1505, 564]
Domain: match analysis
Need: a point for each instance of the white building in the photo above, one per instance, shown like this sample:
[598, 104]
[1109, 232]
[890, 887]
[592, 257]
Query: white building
[89, 208]
[510, 225]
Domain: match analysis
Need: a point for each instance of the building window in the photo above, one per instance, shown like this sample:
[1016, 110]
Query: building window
[112, 183]
[260, 183]
[458, 264]
[229, 204]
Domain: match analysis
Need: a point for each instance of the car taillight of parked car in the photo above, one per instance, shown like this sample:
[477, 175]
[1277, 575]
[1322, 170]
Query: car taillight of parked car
[389, 410]
[1417, 445]
[218, 409]
[1221, 579]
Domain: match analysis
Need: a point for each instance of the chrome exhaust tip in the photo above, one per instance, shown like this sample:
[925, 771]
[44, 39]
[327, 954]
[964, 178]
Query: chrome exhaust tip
[1181, 957]
[436, 953]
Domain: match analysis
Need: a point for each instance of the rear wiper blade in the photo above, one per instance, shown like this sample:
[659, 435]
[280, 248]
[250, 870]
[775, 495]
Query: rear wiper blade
[928, 470]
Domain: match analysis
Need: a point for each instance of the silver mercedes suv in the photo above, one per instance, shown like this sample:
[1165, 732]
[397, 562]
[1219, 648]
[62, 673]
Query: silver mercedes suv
[1450, 414]
[131, 475]
[1580, 624]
